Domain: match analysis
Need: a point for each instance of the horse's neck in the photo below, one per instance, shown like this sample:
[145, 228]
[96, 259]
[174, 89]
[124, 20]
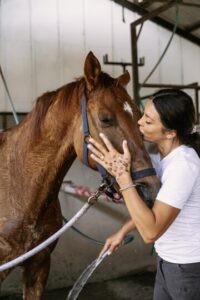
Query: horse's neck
[53, 154]
[37, 169]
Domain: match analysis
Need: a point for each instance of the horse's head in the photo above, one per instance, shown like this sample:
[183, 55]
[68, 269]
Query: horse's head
[110, 110]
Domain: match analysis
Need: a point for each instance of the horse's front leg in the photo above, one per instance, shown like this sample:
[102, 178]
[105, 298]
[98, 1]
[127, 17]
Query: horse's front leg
[34, 277]
[3, 275]
[6, 254]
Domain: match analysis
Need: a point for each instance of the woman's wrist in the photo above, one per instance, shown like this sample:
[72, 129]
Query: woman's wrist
[127, 187]
[124, 180]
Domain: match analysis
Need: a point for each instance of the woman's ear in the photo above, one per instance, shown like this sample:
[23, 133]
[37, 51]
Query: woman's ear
[92, 70]
[171, 134]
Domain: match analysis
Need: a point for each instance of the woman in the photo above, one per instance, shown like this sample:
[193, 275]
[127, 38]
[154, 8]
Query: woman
[173, 222]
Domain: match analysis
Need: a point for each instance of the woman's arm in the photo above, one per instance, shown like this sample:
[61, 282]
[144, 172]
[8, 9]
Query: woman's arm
[151, 223]
[116, 240]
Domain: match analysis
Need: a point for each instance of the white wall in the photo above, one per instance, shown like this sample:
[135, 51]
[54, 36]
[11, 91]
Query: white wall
[43, 45]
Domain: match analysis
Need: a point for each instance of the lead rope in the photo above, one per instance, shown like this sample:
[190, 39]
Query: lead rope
[90, 202]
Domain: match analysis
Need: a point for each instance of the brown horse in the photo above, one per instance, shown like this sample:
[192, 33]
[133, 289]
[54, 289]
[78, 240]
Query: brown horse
[36, 154]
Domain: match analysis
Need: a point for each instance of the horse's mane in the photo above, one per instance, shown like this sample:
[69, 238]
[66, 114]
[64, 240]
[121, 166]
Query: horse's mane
[64, 94]
[45, 101]
[42, 105]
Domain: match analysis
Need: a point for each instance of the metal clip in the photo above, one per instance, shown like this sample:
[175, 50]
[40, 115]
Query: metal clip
[94, 197]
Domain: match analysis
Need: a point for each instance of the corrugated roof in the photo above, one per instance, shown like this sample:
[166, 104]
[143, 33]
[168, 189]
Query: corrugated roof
[189, 15]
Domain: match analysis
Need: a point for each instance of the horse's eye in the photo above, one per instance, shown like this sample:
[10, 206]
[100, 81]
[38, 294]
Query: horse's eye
[106, 120]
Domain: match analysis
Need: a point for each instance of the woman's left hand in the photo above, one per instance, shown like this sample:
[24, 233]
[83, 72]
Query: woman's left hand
[115, 163]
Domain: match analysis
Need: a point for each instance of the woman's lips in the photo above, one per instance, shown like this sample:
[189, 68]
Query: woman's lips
[142, 132]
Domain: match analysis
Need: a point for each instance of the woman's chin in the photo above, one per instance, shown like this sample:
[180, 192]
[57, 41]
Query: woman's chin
[146, 139]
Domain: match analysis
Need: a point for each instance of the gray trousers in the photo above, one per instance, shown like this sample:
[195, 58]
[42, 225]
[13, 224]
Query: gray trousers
[177, 281]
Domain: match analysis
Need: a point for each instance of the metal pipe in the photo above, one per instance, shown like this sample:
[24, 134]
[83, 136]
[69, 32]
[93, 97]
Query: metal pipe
[197, 105]
[193, 86]
[135, 73]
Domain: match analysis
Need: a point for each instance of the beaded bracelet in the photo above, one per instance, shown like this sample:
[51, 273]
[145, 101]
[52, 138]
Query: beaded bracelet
[127, 187]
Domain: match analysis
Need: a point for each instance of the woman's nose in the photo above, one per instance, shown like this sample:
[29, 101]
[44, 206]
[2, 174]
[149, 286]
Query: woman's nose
[140, 121]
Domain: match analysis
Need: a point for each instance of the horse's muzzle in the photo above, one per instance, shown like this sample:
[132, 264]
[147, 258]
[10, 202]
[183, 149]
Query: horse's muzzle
[148, 192]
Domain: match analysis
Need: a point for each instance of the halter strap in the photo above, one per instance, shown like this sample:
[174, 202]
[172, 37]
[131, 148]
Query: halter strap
[143, 173]
[86, 132]
[135, 175]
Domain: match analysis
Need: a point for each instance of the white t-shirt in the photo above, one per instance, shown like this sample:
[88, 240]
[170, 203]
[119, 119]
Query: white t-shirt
[179, 173]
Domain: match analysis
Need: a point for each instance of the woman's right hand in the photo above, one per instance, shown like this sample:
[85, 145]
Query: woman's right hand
[113, 242]
[117, 164]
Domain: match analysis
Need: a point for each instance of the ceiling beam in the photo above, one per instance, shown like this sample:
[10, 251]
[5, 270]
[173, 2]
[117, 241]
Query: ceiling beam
[147, 3]
[153, 13]
[158, 20]
[193, 26]
[190, 4]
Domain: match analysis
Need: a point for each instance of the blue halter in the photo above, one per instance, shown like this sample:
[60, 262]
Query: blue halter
[105, 175]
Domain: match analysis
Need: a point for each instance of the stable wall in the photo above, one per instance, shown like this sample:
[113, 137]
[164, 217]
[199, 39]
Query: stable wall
[43, 45]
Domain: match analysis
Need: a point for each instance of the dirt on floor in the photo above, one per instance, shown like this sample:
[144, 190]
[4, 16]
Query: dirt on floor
[137, 287]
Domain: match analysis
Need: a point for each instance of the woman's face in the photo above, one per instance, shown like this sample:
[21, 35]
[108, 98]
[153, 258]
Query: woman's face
[150, 124]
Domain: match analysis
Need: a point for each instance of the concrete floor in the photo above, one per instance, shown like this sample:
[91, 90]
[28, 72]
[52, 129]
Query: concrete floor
[137, 287]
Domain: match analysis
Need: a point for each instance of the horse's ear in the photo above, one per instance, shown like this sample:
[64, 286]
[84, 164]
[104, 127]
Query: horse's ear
[92, 70]
[124, 78]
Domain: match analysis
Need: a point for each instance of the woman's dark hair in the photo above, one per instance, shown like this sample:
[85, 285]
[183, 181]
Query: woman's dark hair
[176, 111]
